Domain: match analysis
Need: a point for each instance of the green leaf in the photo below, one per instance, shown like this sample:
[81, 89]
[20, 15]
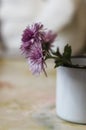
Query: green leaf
[67, 52]
[65, 58]
[58, 53]
[58, 62]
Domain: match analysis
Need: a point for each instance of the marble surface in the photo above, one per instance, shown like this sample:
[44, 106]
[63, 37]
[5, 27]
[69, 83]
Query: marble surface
[27, 102]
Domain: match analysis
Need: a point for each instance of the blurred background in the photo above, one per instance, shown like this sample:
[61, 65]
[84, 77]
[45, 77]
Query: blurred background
[15, 15]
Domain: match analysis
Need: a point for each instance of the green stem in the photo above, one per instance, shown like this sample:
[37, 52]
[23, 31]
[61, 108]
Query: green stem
[50, 57]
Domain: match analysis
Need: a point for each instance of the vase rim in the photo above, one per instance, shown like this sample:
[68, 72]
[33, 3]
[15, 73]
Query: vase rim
[77, 66]
[79, 56]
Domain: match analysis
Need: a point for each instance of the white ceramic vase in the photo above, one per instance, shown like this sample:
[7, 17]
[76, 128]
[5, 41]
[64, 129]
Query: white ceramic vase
[71, 92]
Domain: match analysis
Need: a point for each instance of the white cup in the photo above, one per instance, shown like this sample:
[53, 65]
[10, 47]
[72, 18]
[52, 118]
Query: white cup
[71, 92]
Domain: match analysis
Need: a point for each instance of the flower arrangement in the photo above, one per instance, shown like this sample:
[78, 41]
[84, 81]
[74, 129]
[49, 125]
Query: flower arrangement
[37, 43]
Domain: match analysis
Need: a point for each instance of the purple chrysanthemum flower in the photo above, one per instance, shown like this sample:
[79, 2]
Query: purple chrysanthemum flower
[48, 40]
[36, 43]
[31, 35]
[36, 60]
[50, 37]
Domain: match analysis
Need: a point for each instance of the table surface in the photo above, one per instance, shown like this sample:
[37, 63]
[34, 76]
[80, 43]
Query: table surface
[27, 102]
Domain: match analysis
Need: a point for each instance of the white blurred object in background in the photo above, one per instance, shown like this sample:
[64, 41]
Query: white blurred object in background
[68, 19]
[15, 16]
